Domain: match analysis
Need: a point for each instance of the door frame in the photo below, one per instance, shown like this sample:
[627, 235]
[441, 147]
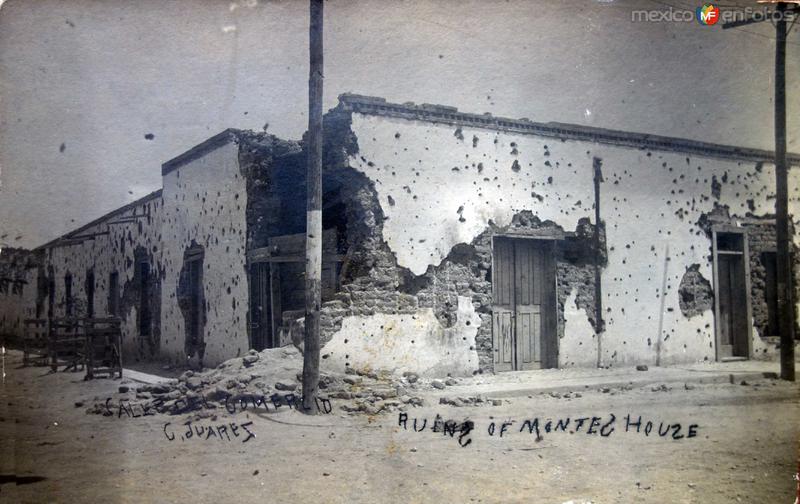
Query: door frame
[289, 249]
[729, 229]
[267, 288]
[550, 348]
[194, 257]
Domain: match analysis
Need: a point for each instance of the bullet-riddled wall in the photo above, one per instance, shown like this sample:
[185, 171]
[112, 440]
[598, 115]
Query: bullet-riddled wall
[172, 265]
[116, 245]
[417, 197]
[205, 200]
[444, 181]
[137, 257]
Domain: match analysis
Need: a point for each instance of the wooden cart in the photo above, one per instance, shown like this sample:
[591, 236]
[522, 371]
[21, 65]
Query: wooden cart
[67, 343]
[103, 347]
[34, 343]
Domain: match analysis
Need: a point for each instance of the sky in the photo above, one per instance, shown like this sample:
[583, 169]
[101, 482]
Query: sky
[84, 83]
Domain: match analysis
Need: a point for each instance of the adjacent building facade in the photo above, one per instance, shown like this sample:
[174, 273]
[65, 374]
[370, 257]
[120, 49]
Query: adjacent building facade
[454, 243]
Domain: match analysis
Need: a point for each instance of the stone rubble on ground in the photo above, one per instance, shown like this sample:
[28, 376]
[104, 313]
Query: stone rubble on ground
[271, 371]
[469, 401]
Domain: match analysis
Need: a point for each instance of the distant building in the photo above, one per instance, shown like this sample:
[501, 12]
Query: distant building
[453, 243]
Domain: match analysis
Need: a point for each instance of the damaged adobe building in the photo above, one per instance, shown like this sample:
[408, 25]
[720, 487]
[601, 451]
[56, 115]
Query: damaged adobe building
[453, 243]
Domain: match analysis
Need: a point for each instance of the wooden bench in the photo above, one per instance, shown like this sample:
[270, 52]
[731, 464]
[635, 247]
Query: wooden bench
[103, 351]
[66, 343]
[34, 343]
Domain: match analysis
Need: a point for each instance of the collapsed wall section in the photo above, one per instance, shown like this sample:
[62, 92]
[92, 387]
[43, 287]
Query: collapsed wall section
[376, 282]
[274, 172]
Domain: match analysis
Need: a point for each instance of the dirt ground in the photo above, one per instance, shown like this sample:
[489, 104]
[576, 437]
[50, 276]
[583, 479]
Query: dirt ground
[745, 449]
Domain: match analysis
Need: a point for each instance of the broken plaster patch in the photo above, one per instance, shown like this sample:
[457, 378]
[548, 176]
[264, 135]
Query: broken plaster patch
[695, 293]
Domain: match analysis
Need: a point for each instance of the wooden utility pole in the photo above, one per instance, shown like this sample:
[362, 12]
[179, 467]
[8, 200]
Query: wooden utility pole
[785, 304]
[784, 266]
[597, 164]
[313, 213]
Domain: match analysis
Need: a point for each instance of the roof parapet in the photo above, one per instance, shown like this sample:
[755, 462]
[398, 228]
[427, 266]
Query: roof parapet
[198, 150]
[561, 131]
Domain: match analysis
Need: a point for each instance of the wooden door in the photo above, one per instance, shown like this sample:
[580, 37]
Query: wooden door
[503, 305]
[264, 305]
[733, 313]
[732, 306]
[528, 284]
[90, 293]
[259, 307]
[196, 308]
[144, 298]
[51, 292]
[524, 295]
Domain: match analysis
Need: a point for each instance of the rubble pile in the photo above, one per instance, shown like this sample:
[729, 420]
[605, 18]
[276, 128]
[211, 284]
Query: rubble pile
[470, 401]
[266, 380]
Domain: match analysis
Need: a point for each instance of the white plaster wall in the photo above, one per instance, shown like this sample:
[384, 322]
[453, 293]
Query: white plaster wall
[653, 246]
[205, 200]
[399, 343]
[430, 174]
[427, 179]
[105, 254]
[578, 346]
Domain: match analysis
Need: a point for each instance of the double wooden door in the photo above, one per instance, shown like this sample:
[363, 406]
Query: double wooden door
[524, 311]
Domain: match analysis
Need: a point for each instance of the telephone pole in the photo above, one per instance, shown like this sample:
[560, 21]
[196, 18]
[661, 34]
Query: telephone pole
[313, 212]
[784, 266]
[785, 304]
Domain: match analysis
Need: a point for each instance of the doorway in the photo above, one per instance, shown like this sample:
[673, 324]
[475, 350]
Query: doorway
[193, 268]
[51, 293]
[144, 298]
[277, 285]
[524, 304]
[769, 261]
[732, 300]
[264, 277]
[89, 287]
[113, 294]
[68, 300]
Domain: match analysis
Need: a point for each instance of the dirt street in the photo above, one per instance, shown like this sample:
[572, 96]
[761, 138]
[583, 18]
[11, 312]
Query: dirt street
[734, 443]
